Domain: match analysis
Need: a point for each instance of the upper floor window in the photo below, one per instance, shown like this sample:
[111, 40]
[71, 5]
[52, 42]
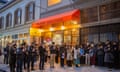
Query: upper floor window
[9, 20]
[109, 11]
[89, 15]
[53, 2]
[1, 22]
[18, 14]
[30, 11]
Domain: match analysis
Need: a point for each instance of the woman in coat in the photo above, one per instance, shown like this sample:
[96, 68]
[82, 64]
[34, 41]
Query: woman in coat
[69, 56]
[100, 55]
[92, 54]
[82, 55]
[108, 58]
[76, 56]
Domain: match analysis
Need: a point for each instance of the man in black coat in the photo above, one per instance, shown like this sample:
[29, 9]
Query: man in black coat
[31, 54]
[62, 54]
[12, 59]
[42, 53]
[19, 58]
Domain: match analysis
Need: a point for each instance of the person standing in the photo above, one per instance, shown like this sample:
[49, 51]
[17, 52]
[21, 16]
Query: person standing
[12, 59]
[108, 58]
[52, 56]
[69, 56]
[1, 59]
[100, 55]
[31, 52]
[92, 54]
[19, 58]
[33, 56]
[62, 55]
[87, 56]
[115, 54]
[82, 57]
[42, 56]
[25, 55]
[6, 54]
[57, 54]
[76, 56]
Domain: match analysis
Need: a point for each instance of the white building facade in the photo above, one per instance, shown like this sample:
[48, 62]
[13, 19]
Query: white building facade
[15, 20]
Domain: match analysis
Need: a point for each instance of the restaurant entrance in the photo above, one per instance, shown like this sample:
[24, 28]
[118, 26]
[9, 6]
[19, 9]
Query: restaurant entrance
[61, 28]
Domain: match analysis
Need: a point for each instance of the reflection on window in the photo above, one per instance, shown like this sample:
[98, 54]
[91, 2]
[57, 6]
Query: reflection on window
[8, 20]
[18, 14]
[30, 10]
[1, 22]
[53, 2]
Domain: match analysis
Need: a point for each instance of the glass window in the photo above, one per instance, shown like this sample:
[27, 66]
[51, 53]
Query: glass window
[30, 10]
[26, 35]
[89, 15]
[109, 11]
[53, 2]
[75, 36]
[67, 36]
[18, 14]
[1, 22]
[47, 36]
[14, 36]
[8, 20]
[21, 35]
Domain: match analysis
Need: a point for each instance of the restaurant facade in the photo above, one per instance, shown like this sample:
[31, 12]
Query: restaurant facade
[60, 21]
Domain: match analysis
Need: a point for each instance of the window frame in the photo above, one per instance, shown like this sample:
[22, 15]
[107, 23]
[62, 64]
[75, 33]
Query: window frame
[9, 20]
[18, 18]
[1, 22]
[28, 12]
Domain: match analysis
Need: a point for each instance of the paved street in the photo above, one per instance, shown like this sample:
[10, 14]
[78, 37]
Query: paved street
[66, 69]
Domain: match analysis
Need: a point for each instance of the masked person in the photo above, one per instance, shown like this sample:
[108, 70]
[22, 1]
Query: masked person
[42, 57]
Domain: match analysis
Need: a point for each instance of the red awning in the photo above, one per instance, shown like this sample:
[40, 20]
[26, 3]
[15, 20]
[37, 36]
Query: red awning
[66, 16]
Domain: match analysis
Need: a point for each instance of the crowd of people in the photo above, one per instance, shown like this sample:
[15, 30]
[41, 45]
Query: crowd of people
[24, 57]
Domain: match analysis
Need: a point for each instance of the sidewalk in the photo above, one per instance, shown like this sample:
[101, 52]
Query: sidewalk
[4, 68]
[74, 69]
[65, 69]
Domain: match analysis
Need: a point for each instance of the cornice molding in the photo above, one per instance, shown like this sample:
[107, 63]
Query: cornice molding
[10, 4]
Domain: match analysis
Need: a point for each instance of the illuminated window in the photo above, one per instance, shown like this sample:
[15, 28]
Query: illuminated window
[53, 2]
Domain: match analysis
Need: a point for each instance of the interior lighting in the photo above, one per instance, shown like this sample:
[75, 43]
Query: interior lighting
[74, 22]
[2, 39]
[51, 29]
[62, 27]
[73, 29]
[41, 30]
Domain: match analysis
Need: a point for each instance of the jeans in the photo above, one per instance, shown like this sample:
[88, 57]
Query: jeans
[42, 60]
[19, 66]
